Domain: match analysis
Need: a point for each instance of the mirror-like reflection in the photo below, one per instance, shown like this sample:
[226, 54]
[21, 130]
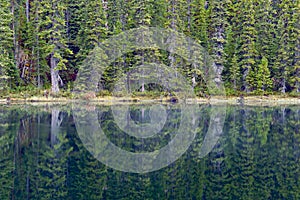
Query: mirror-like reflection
[256, 156]
[181, 124]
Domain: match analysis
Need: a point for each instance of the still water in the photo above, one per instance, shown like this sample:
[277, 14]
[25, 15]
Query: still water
[233, 152]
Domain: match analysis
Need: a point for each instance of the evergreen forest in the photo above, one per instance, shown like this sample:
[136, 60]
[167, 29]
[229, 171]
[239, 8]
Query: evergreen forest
[255, 44]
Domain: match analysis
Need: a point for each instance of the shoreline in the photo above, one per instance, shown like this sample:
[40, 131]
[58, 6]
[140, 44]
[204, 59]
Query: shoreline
[248, 100]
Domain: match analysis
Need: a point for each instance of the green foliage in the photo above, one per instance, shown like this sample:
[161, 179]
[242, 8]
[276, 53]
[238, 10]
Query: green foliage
[103, 93]
[218, 22]
[44, 43]
[246, 47]
[8, 72]
[263, 79]
[234, 75]
[288, 37]
[199, 22]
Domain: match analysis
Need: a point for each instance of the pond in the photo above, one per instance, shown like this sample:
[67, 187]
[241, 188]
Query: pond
[149, 151]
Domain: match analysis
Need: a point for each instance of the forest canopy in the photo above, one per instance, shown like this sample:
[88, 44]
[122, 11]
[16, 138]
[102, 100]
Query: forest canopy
[255, 44]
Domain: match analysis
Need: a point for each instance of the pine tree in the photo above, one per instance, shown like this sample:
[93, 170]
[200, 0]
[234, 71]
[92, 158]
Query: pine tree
[296, 74]
[53, 39]
[246, 49]
[117, 20]
[175, 21]
[174, 12]
[159, 13]
[265, 28]
[217, 36]
[287, 39]
[234, 73]
[8, 72]
[295, 40]
[199, 22]
[263, 76]
[231, 73]
[36, 38]
[117, 16]
[141, 13]
[74, 18]
[93, 28]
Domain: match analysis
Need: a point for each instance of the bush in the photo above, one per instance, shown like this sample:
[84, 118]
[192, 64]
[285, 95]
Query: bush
[294, 94]
[103, 93]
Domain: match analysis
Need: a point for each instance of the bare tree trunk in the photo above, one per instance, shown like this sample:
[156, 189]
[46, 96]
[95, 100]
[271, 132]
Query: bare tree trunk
[27, 10]
[143, 85]
[54, 75]
[38, 62]
[283, 90]
[55, 78]
[245, 75]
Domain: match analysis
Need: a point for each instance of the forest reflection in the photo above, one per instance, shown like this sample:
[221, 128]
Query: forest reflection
[255, 156]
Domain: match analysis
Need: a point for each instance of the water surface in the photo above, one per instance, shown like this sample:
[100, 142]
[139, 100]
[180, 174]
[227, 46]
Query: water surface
[254, 156]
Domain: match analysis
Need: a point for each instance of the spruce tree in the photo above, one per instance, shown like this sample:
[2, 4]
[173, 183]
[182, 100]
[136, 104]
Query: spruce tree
[199, 22]
[217, 36]
[246, 49]
[159, 13]
[295, 49]
[141, 13]
[175, 22]
[52, 36]
[117, 19]
[265, 24]
[287, 37]
[93, 28]
[234, 73]
[263, 76]
[8, 71]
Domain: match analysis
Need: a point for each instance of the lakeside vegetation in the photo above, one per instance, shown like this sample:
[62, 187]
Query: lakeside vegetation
[255, 44]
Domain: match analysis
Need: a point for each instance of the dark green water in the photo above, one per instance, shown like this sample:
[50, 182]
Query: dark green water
[256, 155]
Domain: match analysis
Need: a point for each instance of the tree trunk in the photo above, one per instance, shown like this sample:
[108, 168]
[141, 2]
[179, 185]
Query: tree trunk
[27, 10]
[54, 75]
[283, 90]
[245, 75]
